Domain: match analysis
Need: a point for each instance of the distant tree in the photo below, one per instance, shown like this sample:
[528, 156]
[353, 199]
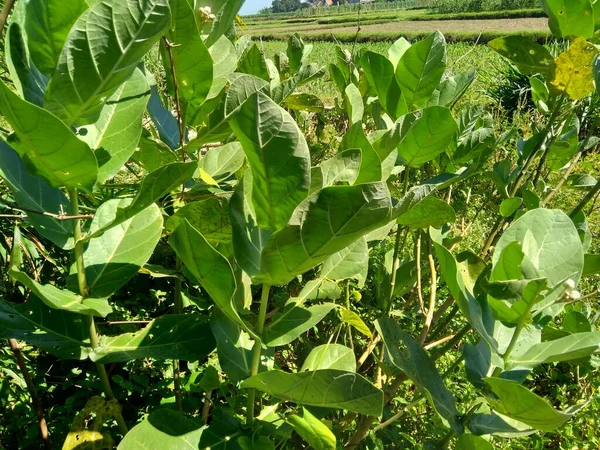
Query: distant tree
[280, 6]
[266, 10]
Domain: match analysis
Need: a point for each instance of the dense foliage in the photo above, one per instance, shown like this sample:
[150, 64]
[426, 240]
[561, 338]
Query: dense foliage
[238, 279]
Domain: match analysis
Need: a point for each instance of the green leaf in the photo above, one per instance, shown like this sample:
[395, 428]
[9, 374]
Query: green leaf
[344, 166]
[153, 154]
[248, 238]
[330, 356]
[397, 50]
[47, 25]
[256, 443]
[112, 142]
[35, 194]
[102, 51]
[278, 156]
[517, 402]
[60, 333]
[46, 145]
[224, 64]
[570, 18]
[472, 442]
[164, 121]
[351, 318]
[530, 57]
[426, 137]
[210, 217]
[191, 58]
[370, 166]
[304, 102]
[185, 337]
[154, 185]
[568, 348]
[29, 82]
[350, 262]
[466, 301]
[293, 321]
[333, 219]
[328, 388]
[381, 76]
[225, 12]
[167, 428]
[112, 259]
[478, 361]
[509, 206]
[421, 68]
[431, 212]
[62, 299]
[208, 266]
[493, 424]
[354, 104]
[513, 300]
[408, 357]
[452, 89]
[253, 62]
[312, 430]
[551, 246]
[591, 265]
[234, 347]
[576, 322]
[222, 162]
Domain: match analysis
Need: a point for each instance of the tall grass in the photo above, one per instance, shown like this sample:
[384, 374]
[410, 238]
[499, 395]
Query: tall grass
[459, 6]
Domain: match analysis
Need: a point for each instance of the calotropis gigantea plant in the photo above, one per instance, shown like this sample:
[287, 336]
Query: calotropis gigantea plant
[252, 215]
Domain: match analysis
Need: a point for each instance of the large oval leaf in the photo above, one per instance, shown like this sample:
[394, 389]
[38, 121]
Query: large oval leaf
[570, 18]
[421, 68]
[47, 25]
[279, 159]
[530, 57]
[330, 356]
[426, 137]
[48, 147]
[102, 51]
[328, 388]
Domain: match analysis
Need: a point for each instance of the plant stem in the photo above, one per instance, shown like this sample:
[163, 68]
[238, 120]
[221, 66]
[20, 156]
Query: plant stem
[177, 308]
[35, 399]
[8, 6]
[180, 122]
[395, 267]
[432, 294]
[419, 272]
[588, 198]
[256, 350]
[84, 292]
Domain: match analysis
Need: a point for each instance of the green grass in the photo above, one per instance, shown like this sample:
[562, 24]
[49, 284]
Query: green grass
[483, 15]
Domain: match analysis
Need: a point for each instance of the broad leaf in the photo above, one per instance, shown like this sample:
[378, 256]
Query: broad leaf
[354, 104]
[509, 206]
[185, 337]
[530, 57]
[478, 361]
[570, 18]
[592, 265]
[35, 194]
[370, 167]
[351, 318]
[513, 300]
[304, 102]
[343, 167]
[210, 217]
[431, 212]
[46, 145]
[47, 25]
[351, 262]
[112, 141]
[60, 333]
[102, 51]
[380, 74]
[29, 82]
[426, 137]
[568, 348]
[222, 162]
[225, 12]
[452, 89]
[152, 154]
[551, 246]
[278, 156]
[472, 442]
[116, 256]
[164, 121]
[154, 185]
[253, 62]
[208, 267]
[517, 402]
[574, 70]
[293, 321]
[494, 424]
[312, 430]
[421, 68]
[407, 356]
[328, 388]
[192, 60]
[335, 218]
[397, 50]
[62, 299]
[330, 356]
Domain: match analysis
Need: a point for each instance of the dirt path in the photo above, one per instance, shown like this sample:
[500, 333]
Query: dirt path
[506, 25]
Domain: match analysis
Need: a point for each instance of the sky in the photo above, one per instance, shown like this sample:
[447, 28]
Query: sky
[252, 6]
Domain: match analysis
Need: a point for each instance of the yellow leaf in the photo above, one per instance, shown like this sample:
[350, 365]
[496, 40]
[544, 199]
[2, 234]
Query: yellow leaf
[351, 318]
[574, 70]
[204, 176]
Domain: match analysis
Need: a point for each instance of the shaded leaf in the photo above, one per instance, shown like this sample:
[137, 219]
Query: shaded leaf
[530, 57]
[312, 430]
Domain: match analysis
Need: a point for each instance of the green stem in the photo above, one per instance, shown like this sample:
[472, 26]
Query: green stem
[514, 340]
[84, 292]
[588, 198]
[177, 308]
[256, 350]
